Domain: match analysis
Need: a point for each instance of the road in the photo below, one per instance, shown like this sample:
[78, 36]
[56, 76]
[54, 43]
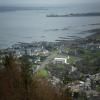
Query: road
[48, 59]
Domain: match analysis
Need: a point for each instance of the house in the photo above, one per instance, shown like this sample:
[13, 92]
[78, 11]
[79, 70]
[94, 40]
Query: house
[29, 51]
[18, 53]
[76, 86]
[87, 84]
[60, 60]
[45, 52]
[73, 68]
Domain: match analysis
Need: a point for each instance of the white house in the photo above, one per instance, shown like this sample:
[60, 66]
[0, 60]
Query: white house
[45, 52]
[60, 60]
[29, 51]
[73, 68]
[18, 53]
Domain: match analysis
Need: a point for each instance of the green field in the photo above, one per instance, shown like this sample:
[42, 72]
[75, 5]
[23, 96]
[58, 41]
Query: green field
[42, 73]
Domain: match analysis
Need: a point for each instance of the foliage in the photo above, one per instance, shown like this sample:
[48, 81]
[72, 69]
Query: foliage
[98, 88]
[72, 60]
[17, 82]
[90, 62]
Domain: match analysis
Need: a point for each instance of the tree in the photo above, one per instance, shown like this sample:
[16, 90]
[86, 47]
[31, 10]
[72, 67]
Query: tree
[17, 82]
[27, 73]
[10, 79]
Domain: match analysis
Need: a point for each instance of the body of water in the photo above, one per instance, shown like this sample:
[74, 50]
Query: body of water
[32, 25]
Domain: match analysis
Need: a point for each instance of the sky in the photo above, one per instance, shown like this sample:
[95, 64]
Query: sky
[44, 2]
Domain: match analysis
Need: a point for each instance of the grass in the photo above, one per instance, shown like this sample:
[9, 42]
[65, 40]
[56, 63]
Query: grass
[42, 73]
[72, 60]
[60, 66]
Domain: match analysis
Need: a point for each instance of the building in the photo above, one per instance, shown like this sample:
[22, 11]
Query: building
[18, 53]
[76, 86]
[87, 84]
[60, 60]
[73, 69]
[29, 51]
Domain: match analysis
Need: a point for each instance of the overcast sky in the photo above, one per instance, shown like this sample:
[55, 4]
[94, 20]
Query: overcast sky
[43, 2]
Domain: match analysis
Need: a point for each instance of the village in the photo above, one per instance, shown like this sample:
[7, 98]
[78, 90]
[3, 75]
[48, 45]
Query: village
[63, 64]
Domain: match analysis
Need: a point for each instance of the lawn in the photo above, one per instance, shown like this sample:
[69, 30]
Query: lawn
[72, 59]
[42, 73]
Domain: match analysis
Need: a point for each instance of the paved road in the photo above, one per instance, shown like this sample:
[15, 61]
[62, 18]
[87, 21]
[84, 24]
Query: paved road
[48, 59]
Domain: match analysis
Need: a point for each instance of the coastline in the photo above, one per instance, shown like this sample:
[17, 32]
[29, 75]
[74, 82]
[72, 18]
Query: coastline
[70, 39]
[94, 36]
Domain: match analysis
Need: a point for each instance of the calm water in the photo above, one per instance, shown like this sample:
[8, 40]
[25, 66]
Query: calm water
[33, 25]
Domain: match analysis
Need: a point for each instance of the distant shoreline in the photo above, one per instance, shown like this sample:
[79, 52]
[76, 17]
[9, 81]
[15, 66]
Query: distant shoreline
[91, 14]
[7, 8]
